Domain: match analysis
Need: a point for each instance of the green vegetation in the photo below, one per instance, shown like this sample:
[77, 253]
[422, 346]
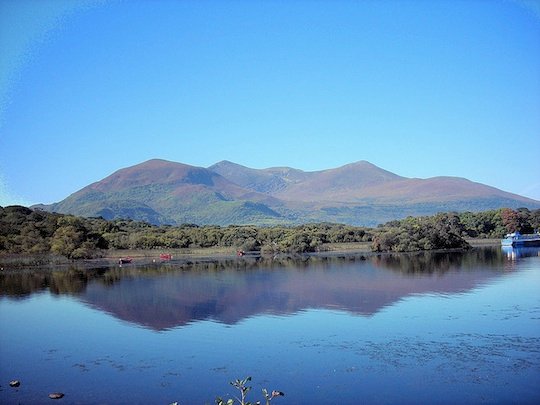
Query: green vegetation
[442, 231]
[23, 230]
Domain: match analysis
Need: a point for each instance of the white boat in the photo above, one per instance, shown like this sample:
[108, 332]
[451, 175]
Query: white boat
[517, 239]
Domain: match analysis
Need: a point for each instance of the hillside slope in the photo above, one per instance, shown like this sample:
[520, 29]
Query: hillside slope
[160, 191]
[164, 192]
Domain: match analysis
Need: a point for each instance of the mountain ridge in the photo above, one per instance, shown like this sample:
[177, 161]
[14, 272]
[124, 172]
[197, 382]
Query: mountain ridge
[359, 193]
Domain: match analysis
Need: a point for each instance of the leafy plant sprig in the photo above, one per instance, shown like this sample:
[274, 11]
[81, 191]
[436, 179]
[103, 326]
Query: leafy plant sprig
[241, 385]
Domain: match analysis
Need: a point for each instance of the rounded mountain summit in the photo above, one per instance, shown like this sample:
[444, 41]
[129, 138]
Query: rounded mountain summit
[164, 192]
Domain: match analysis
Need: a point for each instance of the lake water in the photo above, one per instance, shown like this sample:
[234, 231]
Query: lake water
[437, 328]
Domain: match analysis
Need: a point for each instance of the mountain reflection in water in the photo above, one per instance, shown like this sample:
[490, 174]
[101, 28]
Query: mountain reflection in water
[164, 296]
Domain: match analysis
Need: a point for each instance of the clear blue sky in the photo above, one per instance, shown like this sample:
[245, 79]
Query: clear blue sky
[420, 88]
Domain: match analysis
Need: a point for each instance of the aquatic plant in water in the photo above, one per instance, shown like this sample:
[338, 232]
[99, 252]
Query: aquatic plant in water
[241, 385]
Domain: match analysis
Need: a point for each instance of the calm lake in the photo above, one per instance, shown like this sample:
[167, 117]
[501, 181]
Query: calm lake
[437, 328]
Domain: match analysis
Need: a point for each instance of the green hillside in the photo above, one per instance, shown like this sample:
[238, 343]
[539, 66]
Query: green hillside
[163, 192]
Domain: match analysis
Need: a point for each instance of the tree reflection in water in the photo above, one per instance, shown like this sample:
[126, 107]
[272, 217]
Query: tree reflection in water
[167, 295]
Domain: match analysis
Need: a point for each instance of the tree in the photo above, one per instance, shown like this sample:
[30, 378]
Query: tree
[73, 240]
[510, 220]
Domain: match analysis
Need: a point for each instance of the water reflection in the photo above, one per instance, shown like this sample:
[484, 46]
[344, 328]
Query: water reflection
[515, 253]
[164, 296]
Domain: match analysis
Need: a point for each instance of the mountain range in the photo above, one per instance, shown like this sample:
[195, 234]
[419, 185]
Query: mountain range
[165, 192]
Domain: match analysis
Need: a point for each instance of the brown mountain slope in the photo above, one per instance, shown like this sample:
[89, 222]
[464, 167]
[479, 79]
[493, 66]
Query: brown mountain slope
[435, 189]
[345, 183]
[180, 180]
[269, 181]
[160, 191]
[183, 179]
[358, 182]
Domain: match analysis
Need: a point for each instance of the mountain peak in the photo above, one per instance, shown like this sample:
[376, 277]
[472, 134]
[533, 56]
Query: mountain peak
[360, 193]
[152, 171]
[365, 165]
[158, 162]
[225, 164]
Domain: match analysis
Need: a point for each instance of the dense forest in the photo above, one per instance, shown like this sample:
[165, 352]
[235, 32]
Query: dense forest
[23, 230]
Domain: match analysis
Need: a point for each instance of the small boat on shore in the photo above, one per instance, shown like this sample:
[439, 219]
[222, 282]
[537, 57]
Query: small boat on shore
[517, 239]
[125, 260]
[165, 256]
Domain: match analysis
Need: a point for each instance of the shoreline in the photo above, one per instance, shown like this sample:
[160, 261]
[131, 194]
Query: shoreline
[21, 262]
[477, 242]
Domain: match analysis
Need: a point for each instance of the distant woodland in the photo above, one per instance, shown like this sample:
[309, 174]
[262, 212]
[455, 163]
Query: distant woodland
[27, 231]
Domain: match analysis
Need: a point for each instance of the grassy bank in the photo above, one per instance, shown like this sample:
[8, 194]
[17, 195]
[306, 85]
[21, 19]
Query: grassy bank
[115, 254]
[479, 242]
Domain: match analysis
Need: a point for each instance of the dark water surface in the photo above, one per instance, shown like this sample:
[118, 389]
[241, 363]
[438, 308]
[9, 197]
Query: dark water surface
[438, 328]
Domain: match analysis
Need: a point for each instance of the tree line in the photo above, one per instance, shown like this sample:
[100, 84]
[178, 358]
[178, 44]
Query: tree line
[23, 230]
